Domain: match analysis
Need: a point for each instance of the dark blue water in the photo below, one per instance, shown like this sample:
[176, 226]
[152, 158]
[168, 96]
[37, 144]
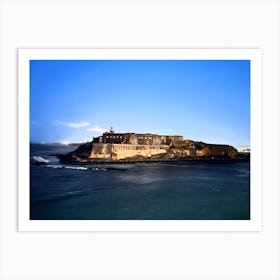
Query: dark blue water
[157, 191]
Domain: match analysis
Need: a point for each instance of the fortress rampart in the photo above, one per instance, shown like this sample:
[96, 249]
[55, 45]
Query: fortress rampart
[116, 146]
[136, 138]
[122, 151]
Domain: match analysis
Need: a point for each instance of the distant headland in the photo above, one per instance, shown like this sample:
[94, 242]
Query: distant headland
[148, 147]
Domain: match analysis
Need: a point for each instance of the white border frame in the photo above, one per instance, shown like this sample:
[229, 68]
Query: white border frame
[254, 224]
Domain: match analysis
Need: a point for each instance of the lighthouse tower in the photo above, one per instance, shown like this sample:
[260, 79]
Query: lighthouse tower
[111, 130]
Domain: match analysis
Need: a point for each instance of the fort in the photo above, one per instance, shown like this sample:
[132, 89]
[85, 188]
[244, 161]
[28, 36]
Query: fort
[136, 138]
[135, 147]
[119, 146]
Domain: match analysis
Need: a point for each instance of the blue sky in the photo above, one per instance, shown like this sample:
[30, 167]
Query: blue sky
[203, 100]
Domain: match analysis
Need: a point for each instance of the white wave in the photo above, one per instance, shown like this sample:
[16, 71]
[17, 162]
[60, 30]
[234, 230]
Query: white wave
[40, 159]
[95, 168]
[54, 166]
[98, 169]
[76, 167]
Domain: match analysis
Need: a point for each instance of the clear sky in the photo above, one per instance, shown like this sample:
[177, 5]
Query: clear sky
[203, 100]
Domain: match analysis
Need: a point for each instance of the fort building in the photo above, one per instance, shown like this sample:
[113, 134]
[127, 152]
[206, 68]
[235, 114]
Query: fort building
[113, 147]
[111, 137]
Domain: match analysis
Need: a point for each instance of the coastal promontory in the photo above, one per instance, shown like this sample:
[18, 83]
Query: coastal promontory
[136, 147]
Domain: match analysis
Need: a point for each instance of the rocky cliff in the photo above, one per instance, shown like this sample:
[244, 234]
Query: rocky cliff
[91, 152]
[200, 149]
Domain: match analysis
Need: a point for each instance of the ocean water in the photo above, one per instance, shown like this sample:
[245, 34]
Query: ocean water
[145, 191]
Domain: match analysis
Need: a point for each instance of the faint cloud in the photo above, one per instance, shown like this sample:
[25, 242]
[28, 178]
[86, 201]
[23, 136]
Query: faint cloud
[72, 124]
[96, 128]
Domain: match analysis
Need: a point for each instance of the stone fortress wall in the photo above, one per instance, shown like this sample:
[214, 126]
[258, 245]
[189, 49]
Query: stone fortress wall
[117, 146]
[136, 138]
[122, 151]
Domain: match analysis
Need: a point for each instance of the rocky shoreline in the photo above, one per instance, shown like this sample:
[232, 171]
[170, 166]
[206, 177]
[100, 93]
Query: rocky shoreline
[65, 159]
